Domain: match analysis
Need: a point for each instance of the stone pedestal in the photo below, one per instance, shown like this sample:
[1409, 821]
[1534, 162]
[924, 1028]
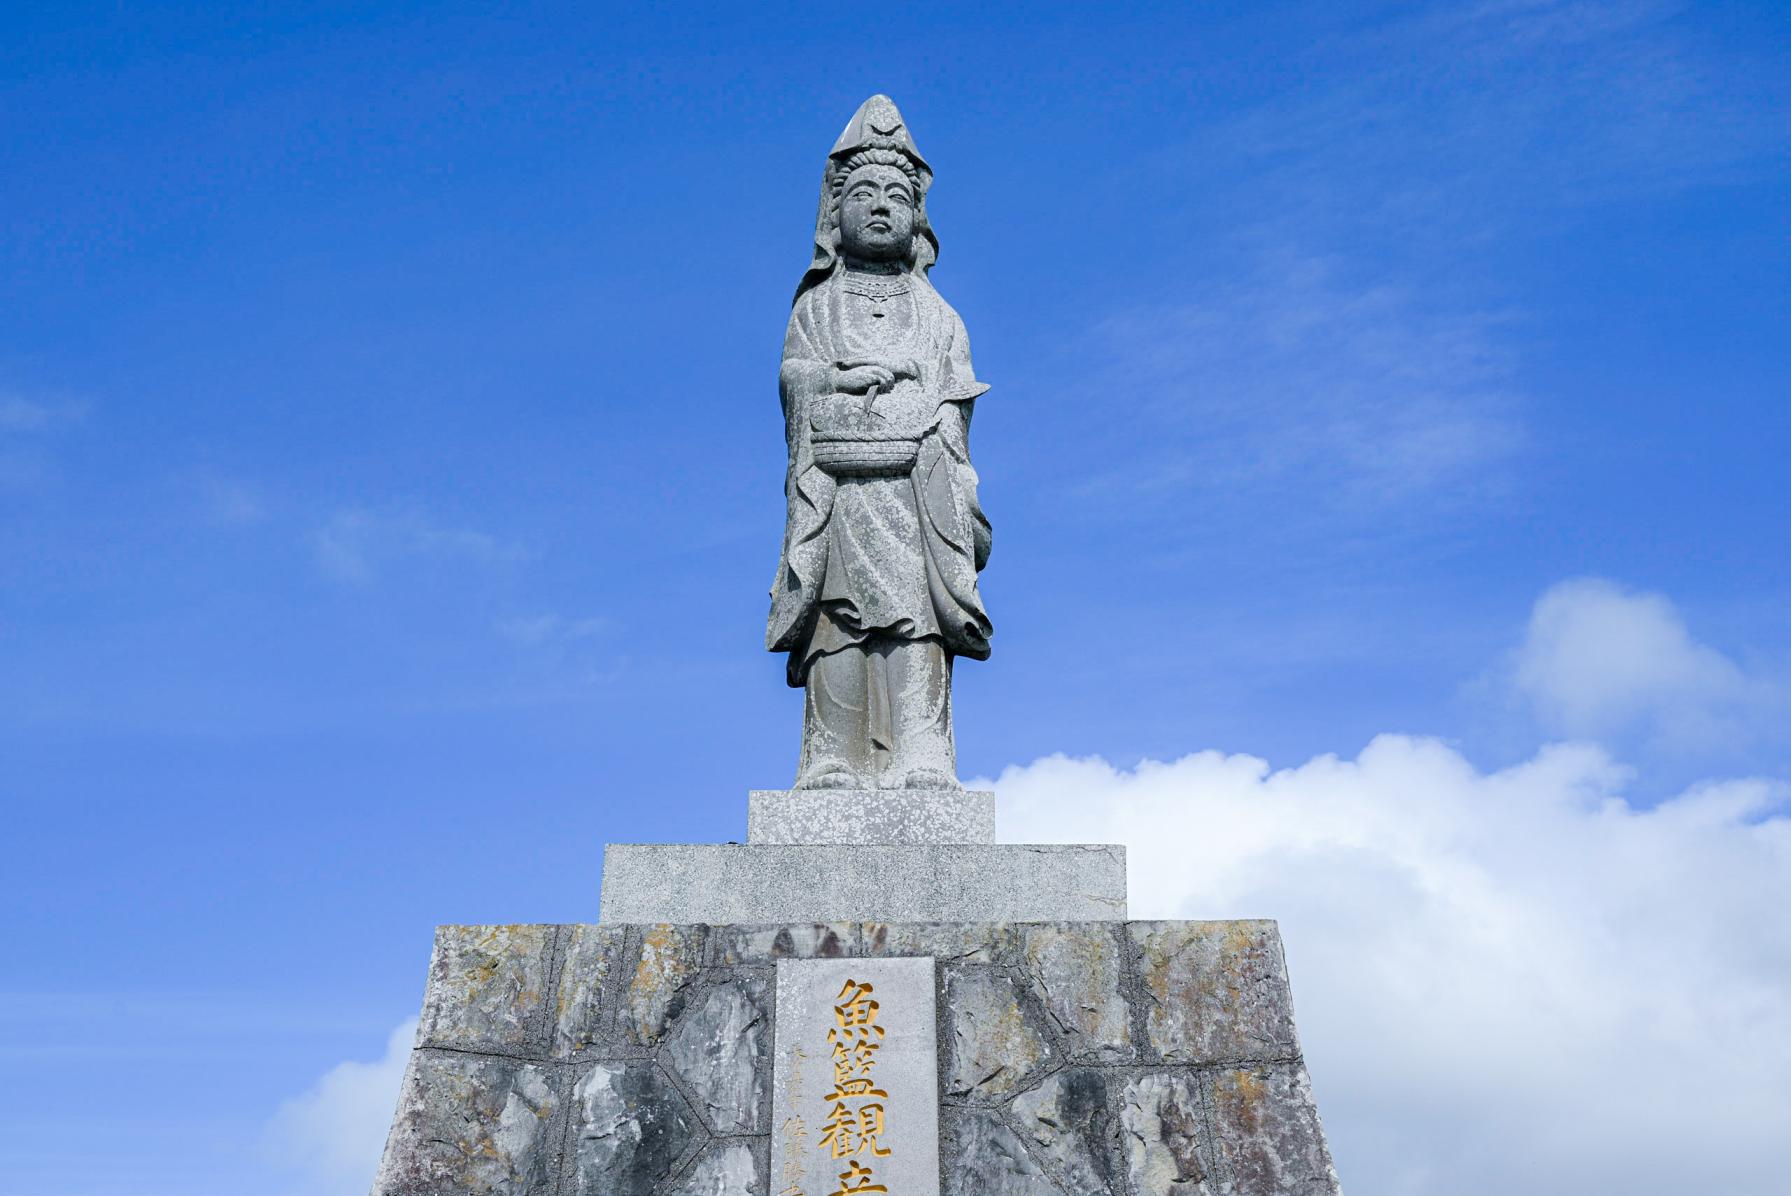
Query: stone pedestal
[1073, 1059]
[1030, 1042]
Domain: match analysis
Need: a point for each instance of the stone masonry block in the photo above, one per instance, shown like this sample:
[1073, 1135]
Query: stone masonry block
[988, 1159]
[993, 1048]
[721, 1050]
[667, 962]
[1071, 1127]
[764, 944]
[1268, 1134]
[591, 956]
[472, 1124]
[1077, 969]
[967, 942]
[726, 1169]
[631, 1130]
[1218, 991]
[487, 988]
[1169, 1145]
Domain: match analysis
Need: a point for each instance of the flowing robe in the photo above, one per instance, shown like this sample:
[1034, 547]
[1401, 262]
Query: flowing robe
[893, 556]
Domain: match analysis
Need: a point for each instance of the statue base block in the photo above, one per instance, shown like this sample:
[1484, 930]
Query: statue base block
[870, 816]
[1074, 1059]
[928, 882]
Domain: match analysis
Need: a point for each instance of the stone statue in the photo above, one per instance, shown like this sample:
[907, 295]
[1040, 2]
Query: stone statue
[875, 594]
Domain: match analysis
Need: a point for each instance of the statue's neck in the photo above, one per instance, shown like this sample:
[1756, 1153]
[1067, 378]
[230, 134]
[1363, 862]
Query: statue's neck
[862, 266]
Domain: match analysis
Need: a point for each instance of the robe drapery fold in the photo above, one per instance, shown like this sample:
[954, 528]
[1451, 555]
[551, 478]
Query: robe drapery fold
[894, 556]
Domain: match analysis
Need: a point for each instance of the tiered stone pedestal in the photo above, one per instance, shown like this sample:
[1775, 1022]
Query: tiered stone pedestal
[1075, 1058]
[1078, 1054]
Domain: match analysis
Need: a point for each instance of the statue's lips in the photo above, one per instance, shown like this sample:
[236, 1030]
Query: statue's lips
[877, 226]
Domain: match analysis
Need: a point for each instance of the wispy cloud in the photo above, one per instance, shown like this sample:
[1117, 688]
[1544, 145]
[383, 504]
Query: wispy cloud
[357, 542]
[1358, 328]
[1604, 662]
[1451, 121]
[228, 501]
[534, 631]
[1361, 389]
[565, 654]
[27, 426]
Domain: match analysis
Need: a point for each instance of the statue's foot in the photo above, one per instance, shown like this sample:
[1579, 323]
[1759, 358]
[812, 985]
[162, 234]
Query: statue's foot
[930, 778]
[829, 775]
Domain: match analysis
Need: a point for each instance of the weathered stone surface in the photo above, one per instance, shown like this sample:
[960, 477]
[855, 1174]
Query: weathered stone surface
[1218, 991]
[733, 882]
[471, 1124]
[591, 955]
[487, 988]
[870, 816]
[988, 1160]
[726, 1169]
[669, 959]
[857, 1076]
[770, 943]
[1268, 1135]
[1169, 1150]
[1064, 1067]
[993, 1048]
[721, 1050]
[1067, 1119]
[949, 942]
[1078, 971]
[631, 1130]
[958, 942]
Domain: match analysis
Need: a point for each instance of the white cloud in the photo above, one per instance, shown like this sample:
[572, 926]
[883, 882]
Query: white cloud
[330, 1138]
[1506, 982]
[1598, 660]
[353, 544]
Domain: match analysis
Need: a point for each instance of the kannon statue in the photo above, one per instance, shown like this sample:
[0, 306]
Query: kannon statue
[875, 594]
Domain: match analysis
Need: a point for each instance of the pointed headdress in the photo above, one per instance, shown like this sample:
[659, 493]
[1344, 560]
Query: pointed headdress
[877, 127]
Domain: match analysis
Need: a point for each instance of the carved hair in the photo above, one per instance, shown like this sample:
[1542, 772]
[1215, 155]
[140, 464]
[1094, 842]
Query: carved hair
[875, 157]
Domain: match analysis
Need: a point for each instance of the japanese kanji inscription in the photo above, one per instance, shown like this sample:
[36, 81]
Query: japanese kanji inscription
[855, 1094]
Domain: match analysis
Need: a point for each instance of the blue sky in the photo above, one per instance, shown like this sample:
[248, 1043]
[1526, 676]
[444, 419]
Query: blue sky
[390, 462]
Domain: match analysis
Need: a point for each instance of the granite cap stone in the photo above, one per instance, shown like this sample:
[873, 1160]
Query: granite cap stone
[735, 883]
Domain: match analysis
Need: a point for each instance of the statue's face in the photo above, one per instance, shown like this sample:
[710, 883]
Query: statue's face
[877, 209]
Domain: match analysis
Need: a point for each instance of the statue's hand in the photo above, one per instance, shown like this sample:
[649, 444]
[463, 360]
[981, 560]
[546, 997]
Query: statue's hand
[898, 367]
[859, 377]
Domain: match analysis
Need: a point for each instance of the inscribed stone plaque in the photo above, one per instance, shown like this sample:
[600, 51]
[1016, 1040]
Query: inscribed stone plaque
[855, 1103]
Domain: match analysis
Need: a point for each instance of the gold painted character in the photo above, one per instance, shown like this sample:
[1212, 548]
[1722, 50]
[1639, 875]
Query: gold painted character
[855, 1179]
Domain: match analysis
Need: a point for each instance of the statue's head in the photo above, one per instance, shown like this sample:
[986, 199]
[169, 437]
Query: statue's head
[873, 196]
[876, 201]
